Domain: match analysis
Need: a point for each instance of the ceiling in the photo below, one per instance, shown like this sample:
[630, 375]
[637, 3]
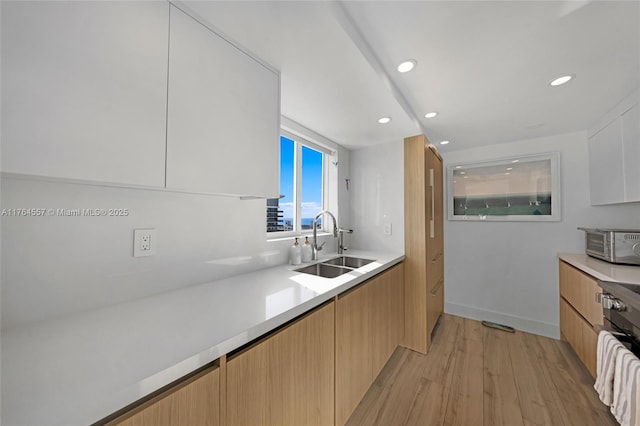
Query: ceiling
[483, 65]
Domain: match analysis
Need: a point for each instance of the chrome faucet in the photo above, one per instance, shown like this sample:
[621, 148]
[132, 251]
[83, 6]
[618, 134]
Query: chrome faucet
[341, 232]
[314, 246]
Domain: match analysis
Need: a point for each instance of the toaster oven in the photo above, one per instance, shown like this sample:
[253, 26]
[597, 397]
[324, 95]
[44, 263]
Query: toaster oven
[613, 245]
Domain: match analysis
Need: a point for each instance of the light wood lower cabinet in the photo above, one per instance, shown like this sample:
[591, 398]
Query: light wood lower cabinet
[286, 379]
[579, 289]
[196, 401]
[580, 335]
[354, 340]
[387, 297]
[369, 326]
[313, 371]
[579, 313]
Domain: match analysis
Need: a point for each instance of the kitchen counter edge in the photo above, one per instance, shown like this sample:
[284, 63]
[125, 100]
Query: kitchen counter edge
[601, 270]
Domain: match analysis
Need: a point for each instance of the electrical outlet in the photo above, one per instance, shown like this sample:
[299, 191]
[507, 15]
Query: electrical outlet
[387, 229]
[145, 242]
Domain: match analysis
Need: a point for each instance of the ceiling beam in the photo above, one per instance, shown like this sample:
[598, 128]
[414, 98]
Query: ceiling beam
[349, 25]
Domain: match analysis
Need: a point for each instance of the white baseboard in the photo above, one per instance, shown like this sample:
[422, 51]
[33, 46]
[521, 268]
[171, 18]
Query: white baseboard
[519, 323]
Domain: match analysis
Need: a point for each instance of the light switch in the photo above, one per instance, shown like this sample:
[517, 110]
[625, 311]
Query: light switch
[387, 229]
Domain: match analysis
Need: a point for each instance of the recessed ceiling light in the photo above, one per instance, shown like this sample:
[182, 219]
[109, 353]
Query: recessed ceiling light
[466, 177]
[561, 80]
[444, 142]
[384, 120]
[463, 173]
[515, 161]
[509, 168]
[407, 65]
[430, 114]
[458, 167]
[507, 174]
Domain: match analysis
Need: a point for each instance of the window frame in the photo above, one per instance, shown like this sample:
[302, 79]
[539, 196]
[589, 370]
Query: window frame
[327, 154]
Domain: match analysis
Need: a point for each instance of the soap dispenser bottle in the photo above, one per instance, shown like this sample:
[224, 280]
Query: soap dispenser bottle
[295, 256]
[306, 250]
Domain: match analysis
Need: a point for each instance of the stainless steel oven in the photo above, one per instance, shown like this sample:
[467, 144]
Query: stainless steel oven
[621, 310]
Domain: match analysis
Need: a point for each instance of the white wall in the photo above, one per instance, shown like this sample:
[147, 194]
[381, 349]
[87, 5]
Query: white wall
[376, 192]
[508, 271]
[53, 266]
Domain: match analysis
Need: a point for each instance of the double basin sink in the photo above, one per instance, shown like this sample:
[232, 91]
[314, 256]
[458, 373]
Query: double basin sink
[334, 267]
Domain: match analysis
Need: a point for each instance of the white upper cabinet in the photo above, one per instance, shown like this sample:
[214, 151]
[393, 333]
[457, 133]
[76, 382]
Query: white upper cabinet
[606, 178]
[614, 155]
[84, 89]
[223, 117]
[631, 140]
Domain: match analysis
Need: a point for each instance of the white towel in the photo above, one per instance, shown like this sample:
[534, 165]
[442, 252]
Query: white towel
[626, 398]
[608, 347]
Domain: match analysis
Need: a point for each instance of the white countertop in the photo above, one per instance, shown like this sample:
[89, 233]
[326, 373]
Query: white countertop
[602, 270]
[77, 370]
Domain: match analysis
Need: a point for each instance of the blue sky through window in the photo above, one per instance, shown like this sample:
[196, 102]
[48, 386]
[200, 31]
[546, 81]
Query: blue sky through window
[311, 184]
[311, 190]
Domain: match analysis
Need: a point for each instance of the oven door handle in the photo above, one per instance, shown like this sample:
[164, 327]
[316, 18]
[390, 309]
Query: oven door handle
[617, 334]
[610, 302]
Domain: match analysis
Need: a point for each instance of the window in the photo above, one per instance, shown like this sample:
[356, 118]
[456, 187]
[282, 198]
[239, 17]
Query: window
[302, 187]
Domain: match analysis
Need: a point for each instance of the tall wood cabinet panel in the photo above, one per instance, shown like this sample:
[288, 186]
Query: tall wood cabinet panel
[286, 379]
[195, 402]
[424, 241]
[369, 326]
[435, 239]
[579, 313]
[223, 116]
[84, 90]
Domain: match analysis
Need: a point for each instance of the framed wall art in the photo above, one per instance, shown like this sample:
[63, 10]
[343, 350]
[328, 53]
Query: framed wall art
[525, 188]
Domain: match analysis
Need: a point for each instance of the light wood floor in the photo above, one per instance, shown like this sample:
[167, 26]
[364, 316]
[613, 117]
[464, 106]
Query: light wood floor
[474, 375]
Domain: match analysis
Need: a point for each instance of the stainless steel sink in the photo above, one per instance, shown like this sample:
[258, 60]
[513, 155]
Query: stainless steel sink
[325, 271]
[348, 262]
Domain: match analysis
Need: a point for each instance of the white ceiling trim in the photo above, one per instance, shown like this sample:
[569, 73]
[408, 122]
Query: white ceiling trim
[349, 25]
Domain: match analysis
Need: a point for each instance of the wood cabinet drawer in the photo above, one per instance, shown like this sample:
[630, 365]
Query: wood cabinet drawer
[580, 335]
[286, 379]
[579, 289]
[196, 401]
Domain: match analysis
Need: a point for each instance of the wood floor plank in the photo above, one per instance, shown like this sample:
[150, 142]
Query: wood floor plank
[391, 395]
[435, 388]
[474, 375]
[501, 403]
[465, 404]
[409, 390]
[531, 385]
